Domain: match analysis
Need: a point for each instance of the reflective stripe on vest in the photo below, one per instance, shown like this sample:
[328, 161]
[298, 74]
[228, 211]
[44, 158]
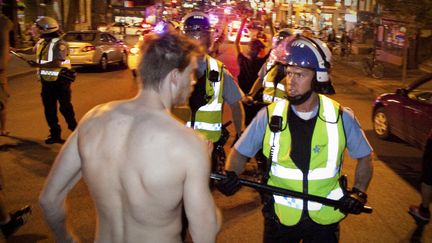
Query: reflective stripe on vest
[327, 147]
[208, 118]
[269, 94]
[49, 74]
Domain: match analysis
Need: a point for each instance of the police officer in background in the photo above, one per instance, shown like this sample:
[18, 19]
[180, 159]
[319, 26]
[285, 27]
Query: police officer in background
[215, 85]
[304, 138]
[51, 57]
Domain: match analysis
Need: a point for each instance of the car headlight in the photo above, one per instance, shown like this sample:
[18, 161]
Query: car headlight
[134, 50]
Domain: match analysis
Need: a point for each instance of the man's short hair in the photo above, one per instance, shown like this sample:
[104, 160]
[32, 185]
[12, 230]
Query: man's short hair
[161, 53]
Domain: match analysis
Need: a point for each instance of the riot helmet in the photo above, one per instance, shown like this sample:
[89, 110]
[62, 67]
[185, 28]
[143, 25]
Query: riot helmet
[196, 21]
[196, 25]
[312, 54]
[47, 25]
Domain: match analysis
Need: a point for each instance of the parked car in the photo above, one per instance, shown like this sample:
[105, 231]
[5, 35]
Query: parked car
[134, 52]
[93, 47]
[406, 114]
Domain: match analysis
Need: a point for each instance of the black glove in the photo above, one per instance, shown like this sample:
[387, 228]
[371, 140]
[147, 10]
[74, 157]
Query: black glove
[229, 185]
[353, 201]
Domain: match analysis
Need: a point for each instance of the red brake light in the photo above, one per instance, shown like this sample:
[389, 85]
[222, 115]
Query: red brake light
[88, 48]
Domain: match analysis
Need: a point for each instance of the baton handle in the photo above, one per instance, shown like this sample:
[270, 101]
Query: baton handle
[284, 192]
[19, 56]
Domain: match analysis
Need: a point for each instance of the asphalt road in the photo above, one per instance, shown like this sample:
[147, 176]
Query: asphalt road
[26, 161]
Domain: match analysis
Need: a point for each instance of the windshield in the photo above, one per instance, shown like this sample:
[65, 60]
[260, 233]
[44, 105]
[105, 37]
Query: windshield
[79, 37]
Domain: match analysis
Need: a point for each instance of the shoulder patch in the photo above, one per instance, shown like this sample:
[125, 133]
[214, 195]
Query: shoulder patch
[62, 47]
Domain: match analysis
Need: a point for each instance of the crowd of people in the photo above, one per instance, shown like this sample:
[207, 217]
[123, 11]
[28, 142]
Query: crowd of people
[145, 192]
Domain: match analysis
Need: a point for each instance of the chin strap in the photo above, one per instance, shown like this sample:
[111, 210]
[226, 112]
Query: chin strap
[299, 99]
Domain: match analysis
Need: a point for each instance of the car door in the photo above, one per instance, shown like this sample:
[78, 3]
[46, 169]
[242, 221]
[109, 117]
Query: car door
[397, 118]
[419, 109]
[105, 46]
[117, 47]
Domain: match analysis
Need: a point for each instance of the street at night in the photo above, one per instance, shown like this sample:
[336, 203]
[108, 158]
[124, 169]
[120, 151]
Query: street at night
[26, 161]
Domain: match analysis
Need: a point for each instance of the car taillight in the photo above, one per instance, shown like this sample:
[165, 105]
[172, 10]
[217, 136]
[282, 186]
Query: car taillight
[134, 50]
[88, 48]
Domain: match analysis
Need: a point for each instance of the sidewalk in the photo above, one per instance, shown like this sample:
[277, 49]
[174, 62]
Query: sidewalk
[17, 67]
[392, 80]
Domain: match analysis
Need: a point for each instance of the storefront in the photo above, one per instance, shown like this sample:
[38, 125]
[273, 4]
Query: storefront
[391, 38]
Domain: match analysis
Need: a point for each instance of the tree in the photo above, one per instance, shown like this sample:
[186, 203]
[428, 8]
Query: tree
[72, 15]
[420, 10]
[99, 13]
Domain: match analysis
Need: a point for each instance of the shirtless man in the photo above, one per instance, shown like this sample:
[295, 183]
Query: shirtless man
[140, 164]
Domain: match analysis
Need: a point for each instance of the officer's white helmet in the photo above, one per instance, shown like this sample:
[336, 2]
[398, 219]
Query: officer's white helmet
[47, 25]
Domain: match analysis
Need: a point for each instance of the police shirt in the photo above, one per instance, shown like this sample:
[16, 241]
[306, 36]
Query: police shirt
[251, 140]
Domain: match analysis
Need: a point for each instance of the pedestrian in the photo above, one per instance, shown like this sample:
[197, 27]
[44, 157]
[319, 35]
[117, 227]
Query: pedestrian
[421, 212]
[304, 138]
[215, 86]
[249, 64]
[345, 44]
[331, 38]
[52, 56]
[131, 154]
[10, 222]
[269, 85]
[7, 27]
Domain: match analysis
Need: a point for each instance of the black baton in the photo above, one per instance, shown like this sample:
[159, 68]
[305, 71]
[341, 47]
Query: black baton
[19, 56]
[284, 192]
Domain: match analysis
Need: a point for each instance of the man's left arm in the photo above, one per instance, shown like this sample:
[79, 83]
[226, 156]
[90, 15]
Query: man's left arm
[358, 148]
[65, 173]
[233, 95]
[363, 173]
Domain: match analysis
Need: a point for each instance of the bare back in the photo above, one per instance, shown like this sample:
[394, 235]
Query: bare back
[137, 164]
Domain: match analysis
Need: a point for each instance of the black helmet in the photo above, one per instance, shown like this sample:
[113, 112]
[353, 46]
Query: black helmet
[196, 21]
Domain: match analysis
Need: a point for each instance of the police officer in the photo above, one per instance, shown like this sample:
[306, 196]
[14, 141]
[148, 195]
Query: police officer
[215, 85]
[269, 86]
[304, 138]
[51, 57]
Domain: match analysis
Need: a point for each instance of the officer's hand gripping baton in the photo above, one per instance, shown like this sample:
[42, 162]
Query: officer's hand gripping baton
[284, 192]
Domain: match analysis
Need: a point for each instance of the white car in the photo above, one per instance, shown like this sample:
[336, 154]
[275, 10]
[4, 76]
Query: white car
[245, 37]
[93, 47]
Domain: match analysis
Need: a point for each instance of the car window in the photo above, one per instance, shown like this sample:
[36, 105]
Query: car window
[104, 38]
[112, 38]
[423, 92]
[79, 37]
